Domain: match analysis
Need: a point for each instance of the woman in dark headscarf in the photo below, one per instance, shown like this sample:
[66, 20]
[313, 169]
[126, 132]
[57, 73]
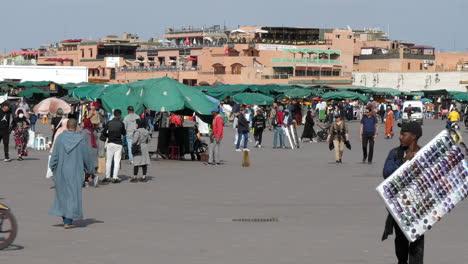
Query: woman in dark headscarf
[20, 128]
[90, 138]
[309, 131]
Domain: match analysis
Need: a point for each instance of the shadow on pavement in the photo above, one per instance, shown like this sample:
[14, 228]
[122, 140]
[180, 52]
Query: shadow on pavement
[13, 248]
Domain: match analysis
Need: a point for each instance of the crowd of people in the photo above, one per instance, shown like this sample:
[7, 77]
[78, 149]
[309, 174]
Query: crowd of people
[89, 135]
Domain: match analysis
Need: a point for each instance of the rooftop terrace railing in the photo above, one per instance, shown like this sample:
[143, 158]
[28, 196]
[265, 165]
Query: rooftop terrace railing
[168, 47]
[304, 60]
[158, 68]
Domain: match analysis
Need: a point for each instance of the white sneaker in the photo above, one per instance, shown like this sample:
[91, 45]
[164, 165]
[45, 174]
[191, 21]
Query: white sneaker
[246, 149]
[7, 160]
[238, 150]
[259, 146]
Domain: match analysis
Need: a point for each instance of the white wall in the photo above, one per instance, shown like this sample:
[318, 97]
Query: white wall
[55, 74]
[413, 81]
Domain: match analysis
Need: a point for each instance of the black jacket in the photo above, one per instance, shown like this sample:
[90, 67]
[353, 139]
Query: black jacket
[115, 130]
[5, 121]
[258, 121]
[243, 124]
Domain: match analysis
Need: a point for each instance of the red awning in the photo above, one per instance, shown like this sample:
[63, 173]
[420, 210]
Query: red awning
[193, 59]
[70, 40]
[28, 52]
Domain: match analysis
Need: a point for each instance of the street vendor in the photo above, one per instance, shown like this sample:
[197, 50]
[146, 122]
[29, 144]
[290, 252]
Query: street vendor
[406, 252]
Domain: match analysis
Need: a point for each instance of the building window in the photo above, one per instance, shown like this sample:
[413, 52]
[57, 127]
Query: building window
[82, 53]
[337, 36]
[91, 53]
[420, 66]
[219, 69]
[409, 65]
[236, 68]
[350, 36]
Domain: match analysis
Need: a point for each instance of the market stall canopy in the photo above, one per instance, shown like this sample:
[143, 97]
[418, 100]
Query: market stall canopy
[28, 93]
[68, 86]
[90, 93]
[30, 84]
[50, 105]
[163, 94]
[252, 99]
[435, 92]
[462, 96]
[426, 100]
[220, 92]
[343, 95]
[300, 93]
[69, 99]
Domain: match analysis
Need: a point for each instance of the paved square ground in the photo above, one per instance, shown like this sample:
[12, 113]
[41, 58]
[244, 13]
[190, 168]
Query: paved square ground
[326, 213]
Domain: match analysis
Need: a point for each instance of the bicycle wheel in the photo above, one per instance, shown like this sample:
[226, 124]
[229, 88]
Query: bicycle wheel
[8, 228]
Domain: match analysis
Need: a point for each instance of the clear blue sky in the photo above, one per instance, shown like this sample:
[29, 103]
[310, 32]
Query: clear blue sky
[30, 23]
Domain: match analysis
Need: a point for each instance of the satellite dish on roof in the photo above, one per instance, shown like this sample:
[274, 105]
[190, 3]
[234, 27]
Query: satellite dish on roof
[33, 61]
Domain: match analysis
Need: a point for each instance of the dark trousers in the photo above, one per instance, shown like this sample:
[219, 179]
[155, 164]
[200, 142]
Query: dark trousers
[382, 117]
[144, 168]
[258, 133]
[367, 139]
[5, 137]
[408, 252]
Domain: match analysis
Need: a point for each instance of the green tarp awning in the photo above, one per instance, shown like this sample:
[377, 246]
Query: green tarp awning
[164, 94]
[342, 95]
[28, 93]
[461, 96]
[300, 93]
[253, 99]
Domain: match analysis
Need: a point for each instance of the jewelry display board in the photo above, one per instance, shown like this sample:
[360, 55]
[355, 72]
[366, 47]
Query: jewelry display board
[427, 187]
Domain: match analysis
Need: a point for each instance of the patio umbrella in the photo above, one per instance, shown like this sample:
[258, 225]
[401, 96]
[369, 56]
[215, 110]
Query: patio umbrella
[28, 93]
[253, 99]
[50, 105]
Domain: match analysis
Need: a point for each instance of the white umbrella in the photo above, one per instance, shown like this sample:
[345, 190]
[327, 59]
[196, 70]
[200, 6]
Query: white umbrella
[238, 31]
[260, 31]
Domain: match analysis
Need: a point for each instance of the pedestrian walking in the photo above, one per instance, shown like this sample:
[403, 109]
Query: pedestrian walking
[279, 127]
[369, 130]
[20, 128]
[5, 124]
[389, 123]
[114, 132]
[217, 134]
[32, 120]
[259, 123]
[309, 131]
[406, 252]
[56, 122]
[272, 116]
[69, 162]
[141, 158]
[130, 126]
[338, 134]
[89, 134]
[382, 112]
[243, 129]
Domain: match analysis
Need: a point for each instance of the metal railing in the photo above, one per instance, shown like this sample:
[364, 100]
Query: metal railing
[418, 56]
[158, 68]
[304, 60]
[380, 56]
[277, 76]
[165, 47]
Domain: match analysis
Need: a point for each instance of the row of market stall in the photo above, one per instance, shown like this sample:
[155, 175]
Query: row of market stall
[165, 94]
